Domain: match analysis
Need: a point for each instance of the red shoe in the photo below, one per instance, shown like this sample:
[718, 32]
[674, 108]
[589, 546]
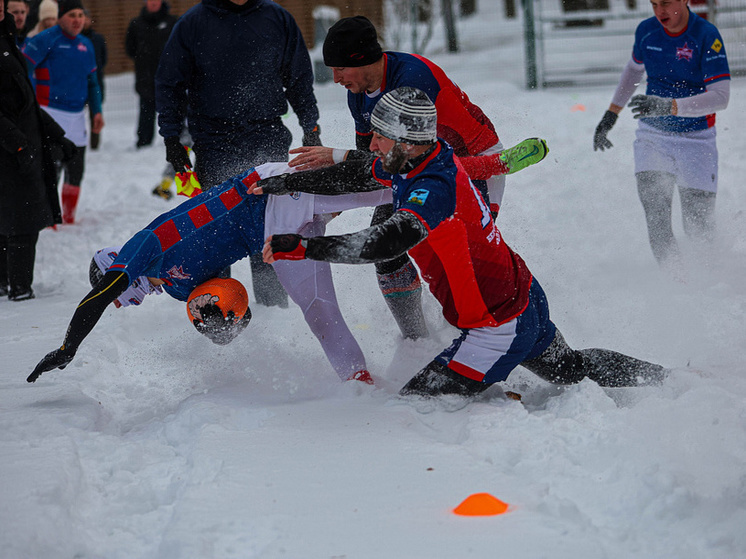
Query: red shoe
[363, 376]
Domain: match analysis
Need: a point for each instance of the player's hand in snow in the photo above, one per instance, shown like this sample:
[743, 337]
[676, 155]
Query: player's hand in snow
[650, 105]
[57, 359]
[600, 141]
[311, 157]
[284, 247]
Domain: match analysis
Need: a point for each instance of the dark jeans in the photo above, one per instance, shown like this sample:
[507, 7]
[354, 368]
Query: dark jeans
[17, 258]
[146, 121]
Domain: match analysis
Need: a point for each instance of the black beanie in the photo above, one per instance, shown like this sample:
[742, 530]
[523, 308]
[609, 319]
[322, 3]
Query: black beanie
[64, 6]
[352, 42]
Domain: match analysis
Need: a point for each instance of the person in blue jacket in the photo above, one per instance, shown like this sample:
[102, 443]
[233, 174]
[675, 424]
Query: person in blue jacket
[63, 63]
[231, 67]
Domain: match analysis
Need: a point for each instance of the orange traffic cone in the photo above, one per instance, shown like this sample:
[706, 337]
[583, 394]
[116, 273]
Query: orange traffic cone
[481, 504]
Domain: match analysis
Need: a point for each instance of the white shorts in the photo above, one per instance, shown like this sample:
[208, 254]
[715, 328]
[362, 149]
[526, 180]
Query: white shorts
[692, 157]
[72, 123]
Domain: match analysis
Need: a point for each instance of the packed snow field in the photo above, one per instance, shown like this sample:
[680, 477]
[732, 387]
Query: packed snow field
[154, 443]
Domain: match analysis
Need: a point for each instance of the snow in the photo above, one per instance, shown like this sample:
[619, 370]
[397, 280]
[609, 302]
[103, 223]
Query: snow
[155, 443]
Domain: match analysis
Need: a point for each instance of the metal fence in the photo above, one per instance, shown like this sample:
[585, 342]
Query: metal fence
[591, 46]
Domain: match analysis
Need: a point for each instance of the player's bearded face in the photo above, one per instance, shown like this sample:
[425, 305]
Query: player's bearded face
[394, 159]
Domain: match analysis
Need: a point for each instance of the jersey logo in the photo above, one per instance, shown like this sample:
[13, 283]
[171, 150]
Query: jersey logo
[684, 53]
[717, 45]
[82, 47]
[177, 272]
[418, 197]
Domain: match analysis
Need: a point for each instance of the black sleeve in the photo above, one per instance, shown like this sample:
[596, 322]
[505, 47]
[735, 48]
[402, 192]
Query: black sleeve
[381, 242]
[362, 141]
[90, 309]
[343, 178]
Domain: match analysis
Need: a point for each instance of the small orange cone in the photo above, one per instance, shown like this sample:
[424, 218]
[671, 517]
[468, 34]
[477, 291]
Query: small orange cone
[481, 504]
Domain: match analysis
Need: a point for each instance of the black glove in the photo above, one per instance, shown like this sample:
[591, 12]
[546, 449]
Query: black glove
[650, 105]
[57, 359]
[177, 155]
[275, 185]
[312, 137]
[600, 141]
[69, 149]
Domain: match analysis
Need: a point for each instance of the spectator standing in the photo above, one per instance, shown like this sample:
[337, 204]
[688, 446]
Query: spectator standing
[146, 36]
[46, 18]
[688, 80]
[102, 58]
[28, 187]
[231, 67]
[64, 66]
[19, 10]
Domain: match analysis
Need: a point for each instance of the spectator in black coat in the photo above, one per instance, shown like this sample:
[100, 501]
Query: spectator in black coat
[102, 58]
[235, 65]
[146, 36]
[28, 187]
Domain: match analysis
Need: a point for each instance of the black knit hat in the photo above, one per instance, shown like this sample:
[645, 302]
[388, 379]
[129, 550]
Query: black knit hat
[65, 6]
[352, 42]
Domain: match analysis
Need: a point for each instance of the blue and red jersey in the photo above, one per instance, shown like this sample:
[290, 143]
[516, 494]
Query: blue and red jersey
[63, 70]
[471, 271]
[681, 65]
[460, 122]
[196, 240]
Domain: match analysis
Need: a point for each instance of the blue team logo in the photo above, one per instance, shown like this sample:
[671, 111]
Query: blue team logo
[418, 197]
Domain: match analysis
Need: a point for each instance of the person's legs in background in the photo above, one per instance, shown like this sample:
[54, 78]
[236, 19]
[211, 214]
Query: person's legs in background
[18, 255]
[146, 121]
[74, 170]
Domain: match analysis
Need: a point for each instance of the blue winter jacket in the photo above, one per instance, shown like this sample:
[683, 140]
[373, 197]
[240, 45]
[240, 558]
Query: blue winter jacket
[237, 68]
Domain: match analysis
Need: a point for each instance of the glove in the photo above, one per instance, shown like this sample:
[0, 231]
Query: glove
[650, 105]
[288, 247]
[69, 149]
[187, 184]
[57, 359]
[312, 137]
[177, 154]
[524, 154]
[274, 185]
[600, 141]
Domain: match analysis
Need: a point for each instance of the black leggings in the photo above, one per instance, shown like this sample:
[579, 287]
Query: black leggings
[75, 168]
[560, 364]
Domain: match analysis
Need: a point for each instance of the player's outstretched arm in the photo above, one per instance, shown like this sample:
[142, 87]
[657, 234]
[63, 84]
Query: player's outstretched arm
[89, 311]
[381, 242]
[509, 161]
[343, 178]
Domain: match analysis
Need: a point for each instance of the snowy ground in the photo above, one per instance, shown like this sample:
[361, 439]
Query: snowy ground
[156, 444]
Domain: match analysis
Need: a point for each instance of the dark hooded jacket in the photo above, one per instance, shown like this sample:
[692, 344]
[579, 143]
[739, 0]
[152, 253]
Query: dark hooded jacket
[147, 34]
[28, 193]
[238, 67]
